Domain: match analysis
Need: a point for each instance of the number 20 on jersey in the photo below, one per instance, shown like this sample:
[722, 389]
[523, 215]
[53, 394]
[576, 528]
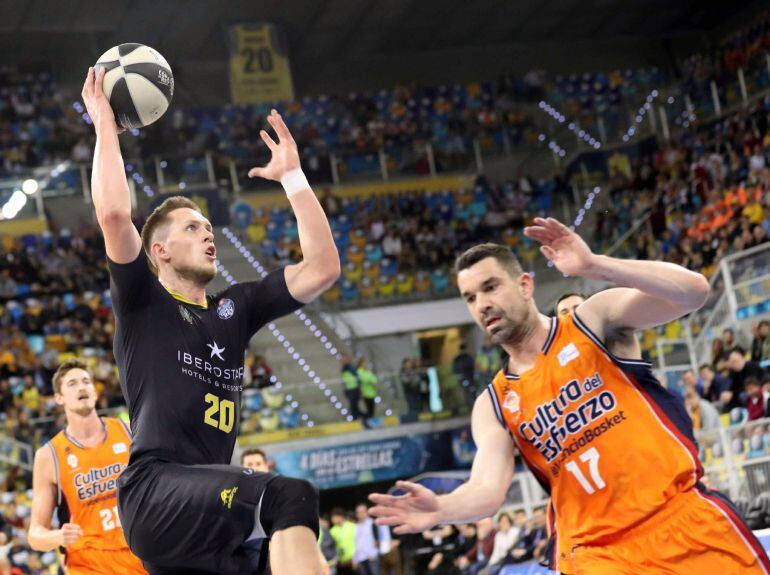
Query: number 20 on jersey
[220, 413]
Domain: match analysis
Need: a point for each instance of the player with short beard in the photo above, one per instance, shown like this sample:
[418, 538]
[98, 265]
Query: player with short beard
[624, 480]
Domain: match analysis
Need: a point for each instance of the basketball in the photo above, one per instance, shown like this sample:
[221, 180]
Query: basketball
[138, 83]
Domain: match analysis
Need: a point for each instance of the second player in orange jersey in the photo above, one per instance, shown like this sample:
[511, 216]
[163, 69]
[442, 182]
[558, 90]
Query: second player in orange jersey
[614, 449]
[75, 474]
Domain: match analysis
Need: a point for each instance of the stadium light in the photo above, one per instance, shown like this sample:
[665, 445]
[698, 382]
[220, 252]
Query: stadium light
[30, 186]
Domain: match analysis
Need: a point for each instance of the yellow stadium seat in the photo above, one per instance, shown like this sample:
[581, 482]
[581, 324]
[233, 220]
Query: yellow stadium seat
[371, 270]
[352, 272]
[358, 238]
[256, 233]
[404, 284]
[422, 282]
[368, 288]
[387, 286]
[332, 294]
[355, 255]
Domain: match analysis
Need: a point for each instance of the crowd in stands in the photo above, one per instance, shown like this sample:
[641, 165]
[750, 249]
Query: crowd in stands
[352, 544]
[403, 244]
[743, 49]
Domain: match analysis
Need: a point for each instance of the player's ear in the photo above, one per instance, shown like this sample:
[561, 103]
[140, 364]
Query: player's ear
[159, 253]
[526, 286]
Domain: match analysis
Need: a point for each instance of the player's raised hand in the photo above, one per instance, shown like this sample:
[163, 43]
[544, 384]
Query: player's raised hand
[567, 250]
[70, 533]
[97, 104]
[413, 512]
[285, 156]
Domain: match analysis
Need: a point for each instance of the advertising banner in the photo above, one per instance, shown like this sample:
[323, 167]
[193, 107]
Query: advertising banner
[344, 465]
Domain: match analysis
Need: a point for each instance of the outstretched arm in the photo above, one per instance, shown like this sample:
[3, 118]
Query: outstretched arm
[109, 186]
[320, 265]
[652, 293]
[480, 497]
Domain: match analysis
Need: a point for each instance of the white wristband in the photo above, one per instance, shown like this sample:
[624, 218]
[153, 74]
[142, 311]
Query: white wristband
[294, 182]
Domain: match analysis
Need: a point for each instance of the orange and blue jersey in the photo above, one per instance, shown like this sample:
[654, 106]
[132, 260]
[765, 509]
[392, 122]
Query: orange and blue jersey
[86, 479]
[609, 444]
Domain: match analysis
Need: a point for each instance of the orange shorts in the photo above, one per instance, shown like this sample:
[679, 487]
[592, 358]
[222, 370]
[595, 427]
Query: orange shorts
[696, 533]
[101, 561]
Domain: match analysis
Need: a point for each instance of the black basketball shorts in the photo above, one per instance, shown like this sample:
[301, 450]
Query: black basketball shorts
[199, 519]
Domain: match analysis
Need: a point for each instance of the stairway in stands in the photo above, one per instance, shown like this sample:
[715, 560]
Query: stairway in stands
[295, 381]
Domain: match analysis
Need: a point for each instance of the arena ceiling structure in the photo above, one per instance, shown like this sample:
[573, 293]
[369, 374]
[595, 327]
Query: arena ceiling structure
[322, 34]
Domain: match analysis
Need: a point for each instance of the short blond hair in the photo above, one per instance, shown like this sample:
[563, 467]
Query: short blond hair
[159, 218]
[65, 367]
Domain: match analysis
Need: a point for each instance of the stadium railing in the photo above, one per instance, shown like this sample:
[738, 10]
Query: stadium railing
[740, 290]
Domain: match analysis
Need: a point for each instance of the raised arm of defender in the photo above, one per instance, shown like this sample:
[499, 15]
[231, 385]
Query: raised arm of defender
[320, 265]
[652, 293]
[480, 497]
[109, 186]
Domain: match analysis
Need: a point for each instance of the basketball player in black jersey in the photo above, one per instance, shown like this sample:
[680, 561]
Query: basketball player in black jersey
[180, 354]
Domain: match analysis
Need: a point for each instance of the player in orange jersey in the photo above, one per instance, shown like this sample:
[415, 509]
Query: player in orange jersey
[76, 474]
[614, 449]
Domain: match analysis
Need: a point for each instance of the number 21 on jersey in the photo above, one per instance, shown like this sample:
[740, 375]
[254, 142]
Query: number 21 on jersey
[591, 457]
[220, 413]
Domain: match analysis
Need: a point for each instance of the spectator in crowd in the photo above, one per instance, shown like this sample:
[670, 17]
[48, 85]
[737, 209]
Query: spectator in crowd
[352, 387]
[532, 540]
[368, 383]
[740, 370]
[391, 562]
[370, 538]
[689, 381]
[568, 302]
[464, 369]
[478, 556]
[254, 458]
[704, 415]
[730, 343]
[714, 387]
[488, 361]
[328, 547]
[446, 541]
[760, 345]
[756, 398]
[260, 372]
[343, 531]
[506, 536]
[410, 380]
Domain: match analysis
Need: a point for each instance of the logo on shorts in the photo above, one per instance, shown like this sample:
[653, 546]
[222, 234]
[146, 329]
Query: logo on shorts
[225, 308]
[185, 313]
[512, 402]
[72, 460]
[227, 496]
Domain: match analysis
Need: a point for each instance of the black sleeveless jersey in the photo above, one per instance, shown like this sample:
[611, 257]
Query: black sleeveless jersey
[181, 364]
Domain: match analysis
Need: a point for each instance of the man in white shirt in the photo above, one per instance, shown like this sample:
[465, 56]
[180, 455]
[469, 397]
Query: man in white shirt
[369, 544]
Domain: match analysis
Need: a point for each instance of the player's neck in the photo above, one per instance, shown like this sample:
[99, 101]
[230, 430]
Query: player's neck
[187, 289]
[522, 356]
[85, 429]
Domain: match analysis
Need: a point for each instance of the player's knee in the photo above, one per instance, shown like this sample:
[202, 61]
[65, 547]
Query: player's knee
[296, 503]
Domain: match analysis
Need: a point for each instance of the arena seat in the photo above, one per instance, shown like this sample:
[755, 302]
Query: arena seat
[370, 270]
[386, 287]
[349, 291]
